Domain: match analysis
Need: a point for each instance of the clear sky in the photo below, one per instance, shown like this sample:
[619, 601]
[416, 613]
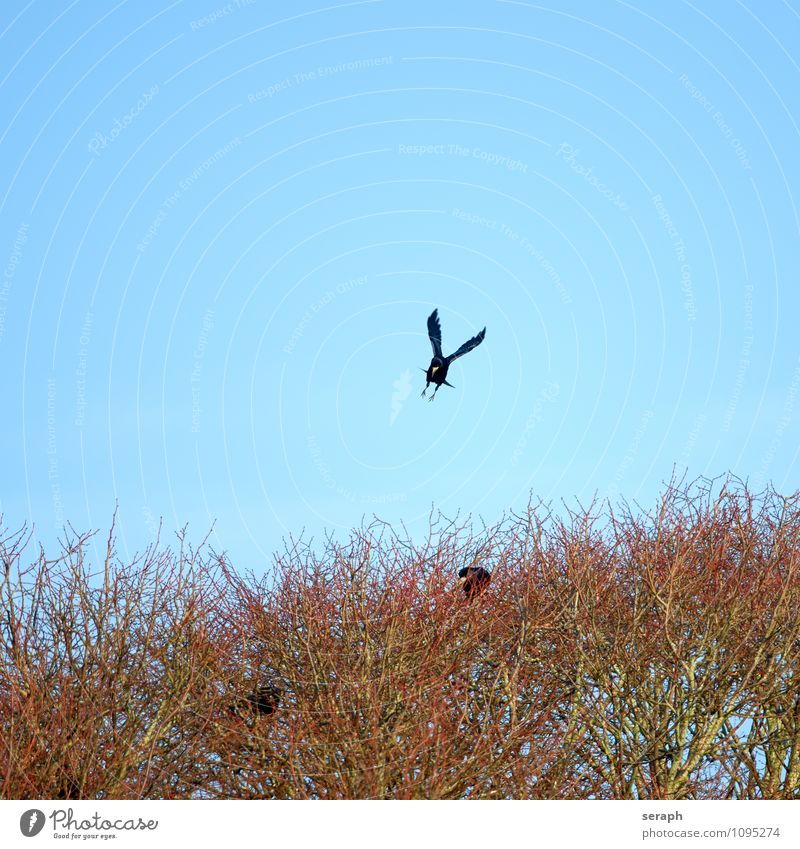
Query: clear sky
[222, 228]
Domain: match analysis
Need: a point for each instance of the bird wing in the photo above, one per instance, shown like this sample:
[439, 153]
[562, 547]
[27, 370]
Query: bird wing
[435, 333]
[468, 346]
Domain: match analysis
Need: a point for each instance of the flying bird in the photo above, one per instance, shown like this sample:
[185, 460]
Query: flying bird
[437, 370]
[474, 580]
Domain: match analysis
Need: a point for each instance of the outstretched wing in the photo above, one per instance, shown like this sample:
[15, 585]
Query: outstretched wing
[435, 333]
[467, 346]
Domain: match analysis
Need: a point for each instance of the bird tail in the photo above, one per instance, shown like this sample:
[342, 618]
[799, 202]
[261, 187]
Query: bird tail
[447, 383]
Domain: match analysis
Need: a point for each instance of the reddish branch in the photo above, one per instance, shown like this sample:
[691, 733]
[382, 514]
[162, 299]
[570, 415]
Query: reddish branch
[615, 654]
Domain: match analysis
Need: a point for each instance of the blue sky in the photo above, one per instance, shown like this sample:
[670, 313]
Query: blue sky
[223, 226]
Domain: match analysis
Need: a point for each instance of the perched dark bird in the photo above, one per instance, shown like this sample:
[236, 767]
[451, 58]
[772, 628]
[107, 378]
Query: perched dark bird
[474, 580]
[265, 700]
[437, 370]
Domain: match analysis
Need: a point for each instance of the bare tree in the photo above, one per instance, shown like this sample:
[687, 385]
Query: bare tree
[616, 653]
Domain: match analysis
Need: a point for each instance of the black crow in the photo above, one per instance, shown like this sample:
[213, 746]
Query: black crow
[265, 700]
[437, 370]
[474, 580]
